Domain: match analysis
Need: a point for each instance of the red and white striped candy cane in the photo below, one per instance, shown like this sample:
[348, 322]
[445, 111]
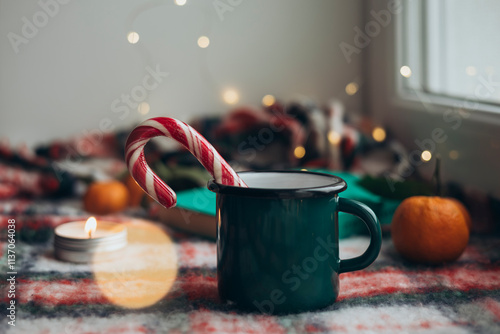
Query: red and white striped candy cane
[187, 137]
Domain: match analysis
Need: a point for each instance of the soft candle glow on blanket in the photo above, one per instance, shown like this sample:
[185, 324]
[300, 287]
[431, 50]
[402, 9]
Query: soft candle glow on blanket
[144, 272]
[80, 241]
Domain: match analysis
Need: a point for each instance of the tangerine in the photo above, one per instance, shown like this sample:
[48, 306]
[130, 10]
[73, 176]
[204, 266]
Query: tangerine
[106, 197]
[136, 194]
[464, 211]
[430, 230]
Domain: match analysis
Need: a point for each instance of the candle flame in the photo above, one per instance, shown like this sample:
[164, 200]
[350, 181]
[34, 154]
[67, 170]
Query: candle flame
[90, 226]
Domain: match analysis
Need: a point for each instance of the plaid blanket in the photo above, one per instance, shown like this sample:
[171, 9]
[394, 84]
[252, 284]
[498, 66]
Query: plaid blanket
[174, 277]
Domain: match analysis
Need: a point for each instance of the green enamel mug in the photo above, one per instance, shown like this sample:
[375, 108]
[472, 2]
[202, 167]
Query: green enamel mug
[278, 240]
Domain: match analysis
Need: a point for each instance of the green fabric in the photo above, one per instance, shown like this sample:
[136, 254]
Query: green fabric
[203, 200]
[199, 200]
[383, 207]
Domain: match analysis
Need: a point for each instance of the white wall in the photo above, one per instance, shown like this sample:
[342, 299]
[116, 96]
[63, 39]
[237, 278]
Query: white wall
[66, 76]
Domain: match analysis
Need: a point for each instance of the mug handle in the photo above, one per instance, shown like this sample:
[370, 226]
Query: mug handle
[367, 215]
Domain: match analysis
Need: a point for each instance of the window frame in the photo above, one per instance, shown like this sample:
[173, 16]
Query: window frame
[410, 115]
[413, 92]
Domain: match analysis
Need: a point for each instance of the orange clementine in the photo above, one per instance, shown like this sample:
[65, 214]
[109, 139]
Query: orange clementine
[136, 194]
[106, 197]
[464, 211]
[430, 230]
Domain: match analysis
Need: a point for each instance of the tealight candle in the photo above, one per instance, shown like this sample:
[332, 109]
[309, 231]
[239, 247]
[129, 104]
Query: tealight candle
[79, 241]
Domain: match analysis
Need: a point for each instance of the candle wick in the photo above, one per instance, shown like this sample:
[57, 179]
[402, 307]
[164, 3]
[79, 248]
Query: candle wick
[90, 234]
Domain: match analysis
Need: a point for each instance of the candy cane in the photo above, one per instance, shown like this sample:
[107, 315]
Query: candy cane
[187, 137]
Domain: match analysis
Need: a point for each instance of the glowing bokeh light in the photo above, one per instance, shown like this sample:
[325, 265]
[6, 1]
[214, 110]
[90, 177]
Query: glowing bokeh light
[378, 134]
[453, 154]
[268, 100]
[405, 71]
[334, 137]
[133, 37]
[470, 71]
[231, 96]
[299, 152]
[351, 88]
[143, 272]
[426, 156]
[203, 42]
[143, 108]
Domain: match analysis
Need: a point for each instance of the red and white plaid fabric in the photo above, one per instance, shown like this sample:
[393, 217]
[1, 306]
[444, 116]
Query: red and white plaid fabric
[391, 296]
